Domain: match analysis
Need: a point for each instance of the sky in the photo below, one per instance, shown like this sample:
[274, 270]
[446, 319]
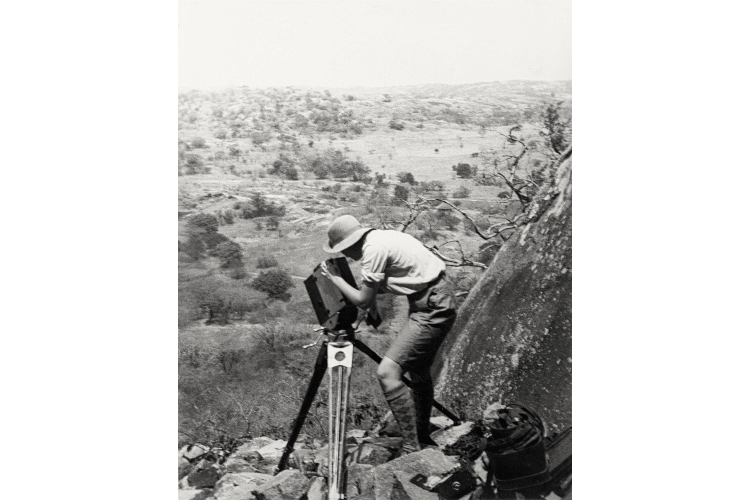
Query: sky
[371, 43]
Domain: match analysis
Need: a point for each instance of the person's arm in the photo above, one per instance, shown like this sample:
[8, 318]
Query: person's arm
[361, 298]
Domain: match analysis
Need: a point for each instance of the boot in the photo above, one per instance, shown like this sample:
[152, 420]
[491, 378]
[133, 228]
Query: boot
[402, 407]
[423, 410]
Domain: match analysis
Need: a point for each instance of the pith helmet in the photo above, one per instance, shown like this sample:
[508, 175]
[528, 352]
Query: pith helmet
[344, 232]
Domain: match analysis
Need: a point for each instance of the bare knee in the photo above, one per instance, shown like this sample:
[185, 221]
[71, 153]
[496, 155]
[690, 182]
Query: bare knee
[389, 374]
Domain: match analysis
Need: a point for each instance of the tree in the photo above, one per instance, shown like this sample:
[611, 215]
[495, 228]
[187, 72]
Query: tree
[463, 170]
[275, 283]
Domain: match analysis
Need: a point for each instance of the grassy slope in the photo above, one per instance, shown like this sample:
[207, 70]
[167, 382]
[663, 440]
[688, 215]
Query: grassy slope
[298, 249]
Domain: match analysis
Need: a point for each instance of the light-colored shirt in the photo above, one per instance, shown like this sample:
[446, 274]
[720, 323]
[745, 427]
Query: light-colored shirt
[398, 262]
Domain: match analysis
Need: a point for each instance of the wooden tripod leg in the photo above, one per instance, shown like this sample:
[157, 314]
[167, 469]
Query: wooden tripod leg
[339, 367]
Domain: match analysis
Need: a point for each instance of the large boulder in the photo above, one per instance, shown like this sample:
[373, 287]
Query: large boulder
[249, 449]
[512, 340]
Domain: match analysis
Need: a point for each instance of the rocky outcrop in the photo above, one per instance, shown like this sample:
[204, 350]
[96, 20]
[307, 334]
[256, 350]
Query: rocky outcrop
[512, 338]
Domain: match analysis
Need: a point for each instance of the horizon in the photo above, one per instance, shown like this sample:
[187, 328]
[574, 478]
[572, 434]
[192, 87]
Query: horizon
[363, 87]
[371, 43]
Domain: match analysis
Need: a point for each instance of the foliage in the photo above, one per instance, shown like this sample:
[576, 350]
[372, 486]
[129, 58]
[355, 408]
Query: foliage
[259, 206]
[275, 283]
[193, 163]
[464, 170]
[406, 178]
[266, 261]
[194, 247]
[207, 222]
[272, 224]
[401, 192]
[462, 192]
[198, 142]
[220, 134]
[213, 239]
[557, 131]
[229, 253]
[334, 163]
[396, 125]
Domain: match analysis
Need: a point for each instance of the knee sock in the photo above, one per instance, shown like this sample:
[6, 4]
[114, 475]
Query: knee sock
[402, 407]
[423, 394]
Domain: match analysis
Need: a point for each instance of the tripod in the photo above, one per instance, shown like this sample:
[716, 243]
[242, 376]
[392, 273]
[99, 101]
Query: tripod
[335, 357]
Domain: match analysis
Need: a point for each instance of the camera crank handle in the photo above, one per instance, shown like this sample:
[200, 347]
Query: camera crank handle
[316, 342]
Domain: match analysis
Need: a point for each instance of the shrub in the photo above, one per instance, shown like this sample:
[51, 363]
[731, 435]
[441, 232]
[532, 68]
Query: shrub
[406, 178]
[396, 125]
[401, 193]
[194, 247]
[221, 134]
[207, 222]
[275, 283]
[238, 273]
[462, 192]
[213, 239]
[198, 142]
[229, 253]
[266, 261]
[194, 164]
[272, 224]
[464, 170]
[259, 206]
[234, 151]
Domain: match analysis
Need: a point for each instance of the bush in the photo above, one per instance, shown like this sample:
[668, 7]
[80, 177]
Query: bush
[229, 253]
[194, 164]
[194, 247]
[401, 193]
[207, 222]
[221, 134]
[238, 273]
[396, 125]
[464, 170]
[462, 192]
[275, 283]
[272, 224]
[406, 178]
[266, 261]
[198, 142]
[212, 240]
[259, 206]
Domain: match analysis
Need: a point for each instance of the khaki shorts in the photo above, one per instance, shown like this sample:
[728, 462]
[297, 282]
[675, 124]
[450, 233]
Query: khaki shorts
[432, 312]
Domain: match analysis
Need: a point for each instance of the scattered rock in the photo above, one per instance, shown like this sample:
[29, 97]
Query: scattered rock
[441, 422]
[273, 450]
[450, 436]
[358, 479]
[404, 489]
[392, 443]
[246, 450]
[389, 426]
[203, 475]
[183, 467]
[239, 486]
[318, 489]
[290, 484]
[192, 452]
[234, 465]
[430, 462]
[193, 494]
[372, 454]
[355, 436]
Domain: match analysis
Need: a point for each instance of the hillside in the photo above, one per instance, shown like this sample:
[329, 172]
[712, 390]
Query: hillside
[262, 172]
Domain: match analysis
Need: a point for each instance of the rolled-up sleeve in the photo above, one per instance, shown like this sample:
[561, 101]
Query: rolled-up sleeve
[374, 261]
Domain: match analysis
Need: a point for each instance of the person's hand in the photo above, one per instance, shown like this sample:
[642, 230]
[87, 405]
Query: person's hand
[330, 272]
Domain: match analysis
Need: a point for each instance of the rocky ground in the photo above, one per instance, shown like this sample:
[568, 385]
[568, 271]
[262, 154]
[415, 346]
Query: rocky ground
[457, 468]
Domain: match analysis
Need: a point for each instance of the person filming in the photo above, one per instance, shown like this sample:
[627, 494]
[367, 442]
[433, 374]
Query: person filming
[397, 263]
